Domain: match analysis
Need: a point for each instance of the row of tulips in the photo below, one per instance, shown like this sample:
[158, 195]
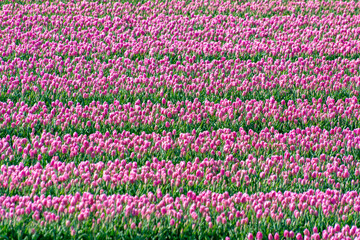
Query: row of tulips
[180, 80]
[255, 9]
[307, 142]
[274, 214]
[278, 172]
[181, 116]
[153, 79]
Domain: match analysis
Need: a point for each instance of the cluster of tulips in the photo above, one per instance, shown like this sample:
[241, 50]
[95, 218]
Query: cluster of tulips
[179, 119]
[111, 51]
[219, 161]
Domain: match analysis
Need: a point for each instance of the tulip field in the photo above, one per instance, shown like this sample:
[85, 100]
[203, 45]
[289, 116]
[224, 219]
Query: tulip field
[195, 119]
